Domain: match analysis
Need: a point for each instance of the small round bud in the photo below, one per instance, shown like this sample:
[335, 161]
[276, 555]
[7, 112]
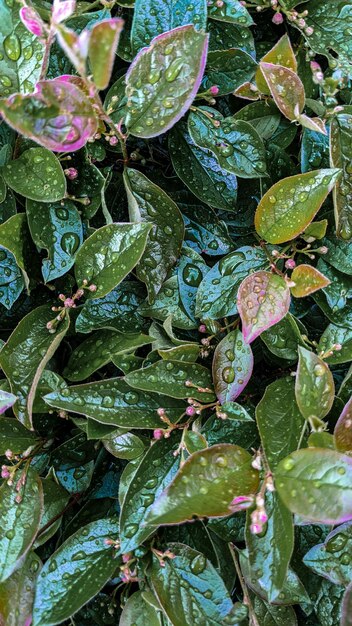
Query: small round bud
[92, 287]
[323, 250]
[309, 31]
[202, 328]
[161, 412]
[290, 264]
[71, 173]
[113, 141]
[275, 253]
[214, 90]
[278, 19]
[158, 433]
[337, 346]
[190, 410]
[69, 303]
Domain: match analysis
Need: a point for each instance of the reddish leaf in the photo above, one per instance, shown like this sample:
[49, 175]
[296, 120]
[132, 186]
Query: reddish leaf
[281, 54]
[343, 429]
[307, 280]
[103, 41]
[286, 89]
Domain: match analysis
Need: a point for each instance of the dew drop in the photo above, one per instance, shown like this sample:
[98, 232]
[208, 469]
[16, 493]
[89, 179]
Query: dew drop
[12, 47]
[198, 564]
[173, 70]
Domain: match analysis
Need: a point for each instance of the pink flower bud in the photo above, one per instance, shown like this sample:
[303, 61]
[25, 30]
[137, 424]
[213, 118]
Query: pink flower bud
[113, 141]
[309, 31]
[71, 173]
[160, 412]
[126, 557]
[278, 19]
[9, 454]
[69, 303]
[323, 250]
[190, 410]
[79, 294]
[5, 471]
[255, 529]
[202, 328]
[92, 287]
[337, 346]
[290, 264]
[158, 433]
[18, 498]
[214, 90]
[240, 503]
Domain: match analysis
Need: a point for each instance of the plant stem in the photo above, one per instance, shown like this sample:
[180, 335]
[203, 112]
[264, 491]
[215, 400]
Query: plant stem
[246, 598]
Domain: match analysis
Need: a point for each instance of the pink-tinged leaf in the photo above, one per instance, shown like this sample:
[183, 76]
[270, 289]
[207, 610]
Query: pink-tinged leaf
[307, 280]
[343, 429]
[263, 299]
[58, 115]
[6, 400]
[62, 9]
[103, 41]
[346, 609]
[33, 22]
[313, 123]
[232, 366]
[286, 89]
[74, 46]
[282, 54]
[314, 387]
[163, 80]
[247, 91]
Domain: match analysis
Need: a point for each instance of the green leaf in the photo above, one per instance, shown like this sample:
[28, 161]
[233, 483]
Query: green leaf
[173, 67]
[191, 269]
[149, 204]
[270, 552]
[346, 608]
[19, 67]
[279, 420]
[57, 227]
[340, 146]
[104, 345]
[315, 386]
[156, 470]
[15, 237]
[284, 338]
[11, 278]
[138, 612]
[113, 402]
[168, 304]
[151, 19]
[230, 11]
[331, 24]
[55, 501]
[204, 231]
[331, 559]
[331, 336]
[280, 54]
[36, 174]
[235, 143]
[200, 171]
[307, 280]
[189, 588]
[217, 293]
[206, 485]
[103, 42]
[286, 88]
[273, 615]
[316, 484]
[25, 355]
[343, 430]
[125, 446]
[232, 366]
[228, 70]
[107, 265]
[73, 574]
[17, 593]
[263, 299]
[14, 436]
[174, 378]
[288, 207]
[19, 520]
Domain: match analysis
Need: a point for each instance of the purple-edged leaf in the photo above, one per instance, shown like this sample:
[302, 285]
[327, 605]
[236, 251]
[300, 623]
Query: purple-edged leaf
[74, 46]
[58, 115]
[263, 299]
[163, 80]
[6, 400]
[346, 610]
[286, 89]
[307, 280]
[315, 386]
[62, 9]
[205, 485]
[232, 366]
[343, 429]
[282, 54]
[32, 21]
[316, 483]
[103, 42]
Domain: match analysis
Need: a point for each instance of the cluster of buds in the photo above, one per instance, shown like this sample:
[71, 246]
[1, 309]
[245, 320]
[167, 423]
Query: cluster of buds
[336, 347]
[161, 556]
[128, 575]
[219, 413]
[8, 473]
[163, 433]
[259, 516]
[298, 20]
[71, 173]
[112, 139]
[317, 73]
[68, 303]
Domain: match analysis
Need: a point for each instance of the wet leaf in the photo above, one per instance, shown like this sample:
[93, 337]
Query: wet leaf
[343, 429]
[205, 485]
[263, 299]
[286, 88]
[346, 609]
[332, 336]
[15, 237]
[307, 280]
[19, 520]
[13, 436]
[228, 70]
[114, 402]
[314, 385]
[103, 42]
[29, 175]
[107, 265]
[56, 227]
[331, 559]
[284, 338]
[281, 54]
[273, 615]
[17, 593]
[174, 378]
[174, 65]
[232, 366]
[168, 304]
[288, 207]
[191, 269]
[149, 204]
[138, 612]
[73, 574]
[190, 580]
[235, 143]
[279, 420]
[71, 120]
[340, 143]
[316, 484]
[230, 11]
[11, 278]
[55, 501]
[25, 355]
[331, 28]
[151, 19]
[124, 446]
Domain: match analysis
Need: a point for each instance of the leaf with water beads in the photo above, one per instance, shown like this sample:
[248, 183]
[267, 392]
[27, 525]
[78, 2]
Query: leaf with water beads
[191, 270]
[331, 26]
[340, 148]
[152, 18]
[124, 446]
[331, 336]
[11, 278]
[316, 484]
[114, 402]
[75, 573]
[109, 254]
[346, 608]
[168, 303]
[25, 355]
[228, 70]
[58, 116]
[235, 143]
[163, 80]
[286, 88]
[176, 379]
[19, 519]
[189, 588]
[13, 436]
[17, 592]
[205, 485]
[289, 206]
[281, 54]
[138, 612]
[231, 11]
[148, 203]
[284, 338]
[332, 559]
[263, 299]
[156, 470]
[103, 41]
[315, 386]
[57, 227]
[29, 175]
[307, 280]
[343, 429]
[232, 366]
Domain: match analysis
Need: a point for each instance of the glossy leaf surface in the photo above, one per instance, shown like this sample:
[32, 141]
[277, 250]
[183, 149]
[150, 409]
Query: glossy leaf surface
[232, 366]
[343, 429]
[307, 280]
[28, 175]
[314, 385]
[340, 142]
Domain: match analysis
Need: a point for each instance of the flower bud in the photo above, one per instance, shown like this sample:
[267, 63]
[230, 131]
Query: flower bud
[290, 264]
[278, 19]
